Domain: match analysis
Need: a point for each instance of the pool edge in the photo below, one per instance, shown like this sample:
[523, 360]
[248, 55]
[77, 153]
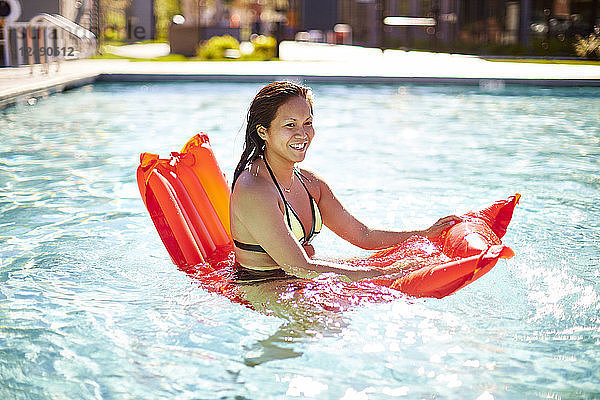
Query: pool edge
[367, 79]
[44, 88]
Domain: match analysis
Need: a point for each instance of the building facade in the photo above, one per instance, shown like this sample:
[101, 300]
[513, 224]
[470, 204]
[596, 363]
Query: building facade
[465, 23]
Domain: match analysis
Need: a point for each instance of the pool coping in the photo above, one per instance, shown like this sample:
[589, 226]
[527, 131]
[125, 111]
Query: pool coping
[44, 90]
[23, 85]
[354, 79]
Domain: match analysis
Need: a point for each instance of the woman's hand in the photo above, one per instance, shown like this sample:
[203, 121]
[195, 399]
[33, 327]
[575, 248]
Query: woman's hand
[441, 225]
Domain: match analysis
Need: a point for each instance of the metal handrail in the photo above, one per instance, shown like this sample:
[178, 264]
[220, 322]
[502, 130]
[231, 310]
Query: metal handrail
[86, 39]
[57, 37]
[85, 35]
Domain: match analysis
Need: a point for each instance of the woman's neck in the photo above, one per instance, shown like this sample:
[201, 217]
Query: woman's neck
[282, 168]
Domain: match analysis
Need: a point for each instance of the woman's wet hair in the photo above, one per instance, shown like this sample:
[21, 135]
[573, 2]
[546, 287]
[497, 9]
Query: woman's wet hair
[262, 112]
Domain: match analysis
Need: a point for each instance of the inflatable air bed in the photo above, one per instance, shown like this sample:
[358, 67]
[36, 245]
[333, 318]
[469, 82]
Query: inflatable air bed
[187, 196]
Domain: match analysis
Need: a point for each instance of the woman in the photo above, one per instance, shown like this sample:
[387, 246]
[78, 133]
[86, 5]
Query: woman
[276, 209]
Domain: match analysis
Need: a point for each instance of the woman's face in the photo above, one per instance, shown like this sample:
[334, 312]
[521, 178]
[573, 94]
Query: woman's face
[291, 131]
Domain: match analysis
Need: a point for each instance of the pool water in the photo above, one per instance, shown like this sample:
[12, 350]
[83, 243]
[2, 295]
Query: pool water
[91, 306]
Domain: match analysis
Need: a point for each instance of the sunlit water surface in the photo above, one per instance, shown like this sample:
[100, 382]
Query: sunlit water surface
[92, 307]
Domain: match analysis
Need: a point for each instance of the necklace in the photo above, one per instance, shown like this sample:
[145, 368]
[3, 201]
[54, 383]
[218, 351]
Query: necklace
[287, 190]
[291, 184]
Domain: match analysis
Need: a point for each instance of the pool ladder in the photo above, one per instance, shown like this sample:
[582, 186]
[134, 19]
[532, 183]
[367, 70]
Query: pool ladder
[46, 39]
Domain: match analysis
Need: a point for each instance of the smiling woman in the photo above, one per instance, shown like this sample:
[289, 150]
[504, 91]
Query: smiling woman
[277, 208]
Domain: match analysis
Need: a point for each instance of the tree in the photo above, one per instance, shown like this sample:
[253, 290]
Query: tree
[164, 10]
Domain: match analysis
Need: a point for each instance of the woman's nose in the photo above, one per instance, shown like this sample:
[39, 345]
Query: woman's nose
[302, 132]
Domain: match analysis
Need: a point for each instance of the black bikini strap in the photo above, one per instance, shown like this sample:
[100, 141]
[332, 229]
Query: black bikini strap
[249, 247]
[300, 176]
[287, 214]
[312, 206]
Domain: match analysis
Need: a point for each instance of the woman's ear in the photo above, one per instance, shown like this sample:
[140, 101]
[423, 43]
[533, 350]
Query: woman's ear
[262, 132]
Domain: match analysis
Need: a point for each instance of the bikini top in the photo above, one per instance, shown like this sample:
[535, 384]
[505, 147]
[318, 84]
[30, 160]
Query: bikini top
[293, 220]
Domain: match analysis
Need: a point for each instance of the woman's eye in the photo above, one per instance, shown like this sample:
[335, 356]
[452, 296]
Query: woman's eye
[309, 123]
[291, 124]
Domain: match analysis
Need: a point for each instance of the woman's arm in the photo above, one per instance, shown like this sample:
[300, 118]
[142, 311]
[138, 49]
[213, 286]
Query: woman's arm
[257, 208]
[337, 218]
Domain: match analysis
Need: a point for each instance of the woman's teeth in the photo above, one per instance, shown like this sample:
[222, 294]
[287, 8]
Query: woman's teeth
[298, 146]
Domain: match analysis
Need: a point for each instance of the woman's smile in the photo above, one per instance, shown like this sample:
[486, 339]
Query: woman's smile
[299, 146]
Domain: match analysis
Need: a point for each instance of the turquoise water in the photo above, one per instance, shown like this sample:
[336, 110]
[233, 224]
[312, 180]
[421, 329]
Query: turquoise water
[92, 307]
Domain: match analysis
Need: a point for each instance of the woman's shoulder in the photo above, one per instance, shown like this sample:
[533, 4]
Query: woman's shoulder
[312, 177]
[250, 184]
[309, 175]
[249, 181]
[313, 181]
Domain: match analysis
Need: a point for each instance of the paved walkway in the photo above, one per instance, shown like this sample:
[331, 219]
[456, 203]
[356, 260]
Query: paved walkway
[308, 62]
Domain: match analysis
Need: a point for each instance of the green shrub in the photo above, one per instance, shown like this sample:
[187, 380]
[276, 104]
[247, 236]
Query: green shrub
[215, 47]
[111, 35]
[264, 48]
[588, 47]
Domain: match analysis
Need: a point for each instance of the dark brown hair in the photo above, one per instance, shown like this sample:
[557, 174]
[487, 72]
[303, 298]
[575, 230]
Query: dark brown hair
[262, 112]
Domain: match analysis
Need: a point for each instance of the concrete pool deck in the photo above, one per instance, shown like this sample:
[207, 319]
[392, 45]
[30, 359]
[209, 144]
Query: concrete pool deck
[314, 63]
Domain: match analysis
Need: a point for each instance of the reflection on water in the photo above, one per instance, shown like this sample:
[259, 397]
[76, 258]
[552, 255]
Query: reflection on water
[300, 322]
[91, 306]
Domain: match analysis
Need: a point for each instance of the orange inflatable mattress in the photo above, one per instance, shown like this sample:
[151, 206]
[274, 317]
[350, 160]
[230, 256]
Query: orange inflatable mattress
[187, 197]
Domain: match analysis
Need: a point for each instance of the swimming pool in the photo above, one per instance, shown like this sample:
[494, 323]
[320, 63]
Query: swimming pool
[92, 307]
